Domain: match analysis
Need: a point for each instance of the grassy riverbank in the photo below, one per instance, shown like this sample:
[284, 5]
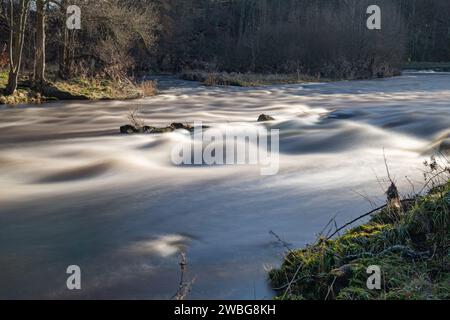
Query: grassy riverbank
[261, 79]
[76, 89]
[411, 247]
[246, 79]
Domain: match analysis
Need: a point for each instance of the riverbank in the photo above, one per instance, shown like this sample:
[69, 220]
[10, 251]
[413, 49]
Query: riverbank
[260, 79]
[411, 247]
[246, 79]
[76, 89]
[428, 66]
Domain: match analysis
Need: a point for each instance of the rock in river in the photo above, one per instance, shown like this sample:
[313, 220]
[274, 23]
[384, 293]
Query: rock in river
[264, 118]
[128, 129]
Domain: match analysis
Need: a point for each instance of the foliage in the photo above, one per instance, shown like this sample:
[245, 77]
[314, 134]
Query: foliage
[77, 88]
[412, 252]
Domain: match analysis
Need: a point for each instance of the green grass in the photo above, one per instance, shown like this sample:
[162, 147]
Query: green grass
[79, 88]
[412, 251]
[22, 95]
[3, 79]
[98, 89]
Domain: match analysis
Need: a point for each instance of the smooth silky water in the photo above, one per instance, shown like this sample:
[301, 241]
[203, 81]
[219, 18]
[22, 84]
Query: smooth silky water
[76, 192]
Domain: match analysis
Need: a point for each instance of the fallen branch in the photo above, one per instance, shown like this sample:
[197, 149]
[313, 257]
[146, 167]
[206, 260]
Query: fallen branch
[355, 220]
[281, 241]
[362, 217]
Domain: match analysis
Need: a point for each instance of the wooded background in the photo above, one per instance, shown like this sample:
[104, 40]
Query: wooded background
[123, 38]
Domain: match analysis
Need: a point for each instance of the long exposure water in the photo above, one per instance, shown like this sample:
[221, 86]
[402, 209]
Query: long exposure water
[76, 192]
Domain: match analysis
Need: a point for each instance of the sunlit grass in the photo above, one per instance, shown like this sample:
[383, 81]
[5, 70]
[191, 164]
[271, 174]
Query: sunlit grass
[77, 88]
[336, 269]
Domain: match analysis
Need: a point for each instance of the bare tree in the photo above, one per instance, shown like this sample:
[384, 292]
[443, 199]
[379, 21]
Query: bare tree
[17, 22]
[39, 66]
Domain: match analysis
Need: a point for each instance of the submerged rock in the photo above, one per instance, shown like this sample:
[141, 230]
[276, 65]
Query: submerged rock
[177, 126]
[264, 118]
[128, 129]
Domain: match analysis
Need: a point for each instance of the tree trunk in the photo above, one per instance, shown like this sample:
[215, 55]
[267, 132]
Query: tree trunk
[16, 41]
[12, 82]
[64, 70]
[39, 71]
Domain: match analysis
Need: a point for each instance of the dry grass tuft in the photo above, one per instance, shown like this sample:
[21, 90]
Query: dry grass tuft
[149, 88]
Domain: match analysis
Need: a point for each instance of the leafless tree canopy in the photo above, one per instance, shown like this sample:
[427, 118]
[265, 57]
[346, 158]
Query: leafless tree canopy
[323, 38]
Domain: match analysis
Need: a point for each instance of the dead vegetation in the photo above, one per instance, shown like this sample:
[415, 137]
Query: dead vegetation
[211, 79]
[185, 286]
[148, 88]
[135, 118]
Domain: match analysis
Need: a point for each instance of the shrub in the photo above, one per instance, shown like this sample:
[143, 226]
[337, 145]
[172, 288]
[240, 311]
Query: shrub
[148, 88]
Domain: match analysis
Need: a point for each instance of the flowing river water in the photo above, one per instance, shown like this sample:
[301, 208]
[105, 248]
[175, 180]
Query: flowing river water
[76, 192]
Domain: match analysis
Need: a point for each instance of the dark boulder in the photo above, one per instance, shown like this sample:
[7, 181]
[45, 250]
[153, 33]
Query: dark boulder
[146, 129]
[264, 118]
[128, 129]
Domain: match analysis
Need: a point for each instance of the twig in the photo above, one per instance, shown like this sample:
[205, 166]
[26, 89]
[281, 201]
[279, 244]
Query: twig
[330, 288]
[333, 219]
[355, 220]
[364, 216]
[412, 184]
[184, 288]
[431, 179]
[387, 167]
[283, 243]
[292, 281]
[372, 203]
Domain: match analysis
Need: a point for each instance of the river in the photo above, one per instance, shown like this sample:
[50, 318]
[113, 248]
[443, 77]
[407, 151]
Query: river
[76, 192]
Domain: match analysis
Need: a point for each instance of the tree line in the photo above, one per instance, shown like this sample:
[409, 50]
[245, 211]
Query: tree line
[115, 37]
[118, 38]
[317, 37]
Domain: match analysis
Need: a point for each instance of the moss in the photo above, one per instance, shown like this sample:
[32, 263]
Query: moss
[412, 252]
